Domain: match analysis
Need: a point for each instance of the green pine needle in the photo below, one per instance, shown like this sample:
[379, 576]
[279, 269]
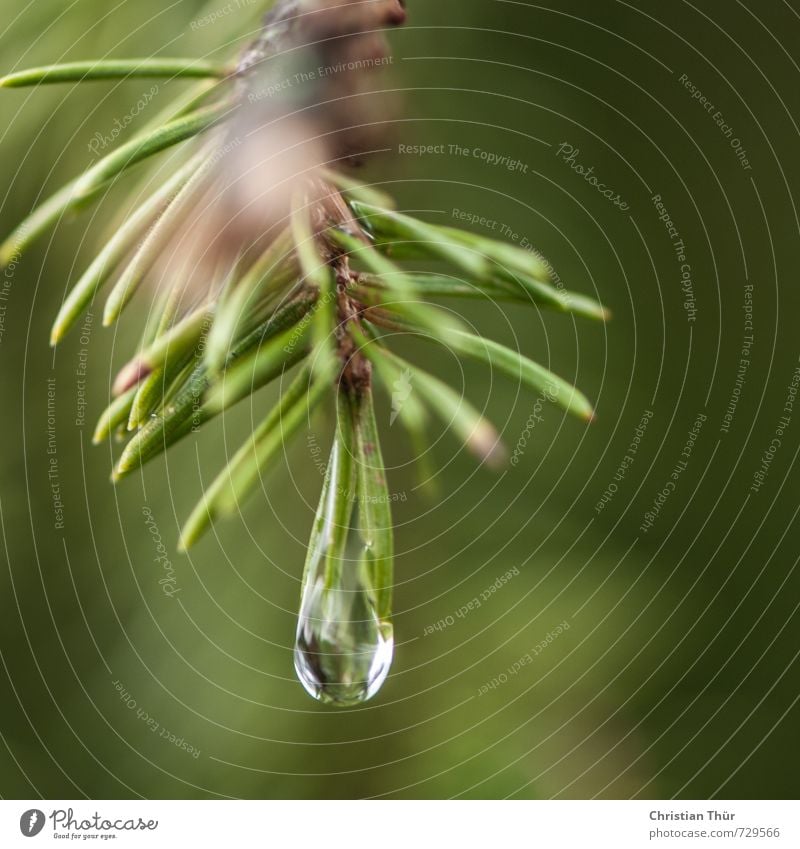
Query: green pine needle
[42, 219]
[155, 388]
[148, 144]
[314, 269]
[180, 340]
[475, 431]
[187, 411]
[332, 522]
[243, 471]
[436, 241]
[245, 301]
[355, 190]
[398, 284]
[270, 360]
[103, 266]
[536, 377]
[374, 503]
[517, 366]
[114, 415]
[156, 242]
[113, 69]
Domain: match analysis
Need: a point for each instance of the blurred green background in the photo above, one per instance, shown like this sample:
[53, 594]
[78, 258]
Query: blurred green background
[677, 675]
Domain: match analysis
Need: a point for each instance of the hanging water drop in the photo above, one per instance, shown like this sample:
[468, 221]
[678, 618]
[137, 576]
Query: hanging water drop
[344, 644]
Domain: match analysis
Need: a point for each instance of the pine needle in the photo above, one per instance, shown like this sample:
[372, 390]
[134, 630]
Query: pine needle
[113, 69]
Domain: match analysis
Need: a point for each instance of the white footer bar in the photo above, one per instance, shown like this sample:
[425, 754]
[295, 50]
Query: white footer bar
[402, 824]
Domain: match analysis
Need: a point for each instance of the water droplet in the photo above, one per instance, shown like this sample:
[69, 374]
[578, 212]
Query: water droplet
[343, 650]
[344, 643]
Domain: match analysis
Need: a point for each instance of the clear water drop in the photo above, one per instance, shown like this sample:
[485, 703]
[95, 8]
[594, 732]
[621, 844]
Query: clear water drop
[344, 644]
[343, 649]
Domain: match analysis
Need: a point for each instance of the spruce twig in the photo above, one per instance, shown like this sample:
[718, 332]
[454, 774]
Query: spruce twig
[315, 283]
